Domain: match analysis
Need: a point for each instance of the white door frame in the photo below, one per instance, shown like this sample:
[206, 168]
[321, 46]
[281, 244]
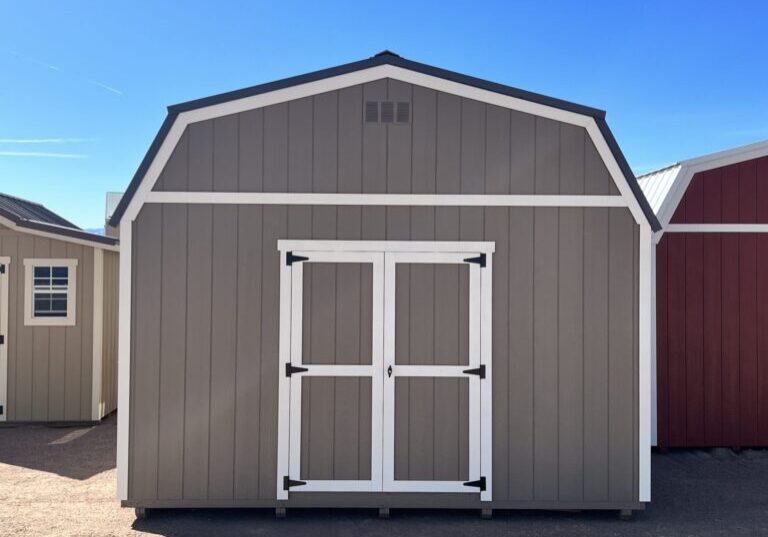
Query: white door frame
[432, 371]
[5, 263]
[315, 370]
[289, 431]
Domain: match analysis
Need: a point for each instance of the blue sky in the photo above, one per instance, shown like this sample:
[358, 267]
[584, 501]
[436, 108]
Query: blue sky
[84, 85]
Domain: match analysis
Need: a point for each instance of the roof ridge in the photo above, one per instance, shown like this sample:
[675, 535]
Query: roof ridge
[657, 170]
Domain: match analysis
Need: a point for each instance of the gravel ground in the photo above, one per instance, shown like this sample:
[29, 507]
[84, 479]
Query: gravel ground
[61, 482]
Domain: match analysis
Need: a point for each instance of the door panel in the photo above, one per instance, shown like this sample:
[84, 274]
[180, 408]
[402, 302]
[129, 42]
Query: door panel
[432, 429]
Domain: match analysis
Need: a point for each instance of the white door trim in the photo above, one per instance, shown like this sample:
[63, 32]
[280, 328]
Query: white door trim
[6, 261]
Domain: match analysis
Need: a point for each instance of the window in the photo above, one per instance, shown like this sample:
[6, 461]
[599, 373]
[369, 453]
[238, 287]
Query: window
[50, 291]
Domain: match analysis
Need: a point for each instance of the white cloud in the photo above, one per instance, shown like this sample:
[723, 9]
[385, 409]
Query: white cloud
[45, 140]
[40, 154]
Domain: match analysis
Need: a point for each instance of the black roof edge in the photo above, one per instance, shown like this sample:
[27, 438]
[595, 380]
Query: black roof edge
[613, 145]
[59, 230]
[382, 58]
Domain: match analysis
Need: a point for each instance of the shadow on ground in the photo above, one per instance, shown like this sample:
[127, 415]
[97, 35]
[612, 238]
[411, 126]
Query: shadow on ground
[78, 452]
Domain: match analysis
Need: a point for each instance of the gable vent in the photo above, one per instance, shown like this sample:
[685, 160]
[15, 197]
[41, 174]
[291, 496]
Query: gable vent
[371, 112]
[403, 112]
[387, 112]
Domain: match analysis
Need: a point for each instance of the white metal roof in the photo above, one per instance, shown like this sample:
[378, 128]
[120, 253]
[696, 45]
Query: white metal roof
[664, 188]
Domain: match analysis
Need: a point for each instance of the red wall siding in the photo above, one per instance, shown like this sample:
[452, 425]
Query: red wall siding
[712, 315]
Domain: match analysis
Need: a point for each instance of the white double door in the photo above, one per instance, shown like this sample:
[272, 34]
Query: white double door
[384, 371]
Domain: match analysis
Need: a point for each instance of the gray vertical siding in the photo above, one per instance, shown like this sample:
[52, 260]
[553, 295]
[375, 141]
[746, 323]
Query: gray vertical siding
[565, 419]
[109, 332]
[206, 302]
[49, 368]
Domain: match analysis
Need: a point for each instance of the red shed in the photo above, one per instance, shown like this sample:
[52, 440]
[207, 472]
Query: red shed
[712, 299]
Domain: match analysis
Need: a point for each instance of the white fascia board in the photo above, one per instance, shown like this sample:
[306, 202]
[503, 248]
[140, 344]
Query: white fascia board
[386, 246]
[360, 77]
[717, 228]
[56, 236]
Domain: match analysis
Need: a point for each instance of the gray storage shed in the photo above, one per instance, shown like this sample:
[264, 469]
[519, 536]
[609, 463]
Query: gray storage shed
[58, 317]
[384, 285]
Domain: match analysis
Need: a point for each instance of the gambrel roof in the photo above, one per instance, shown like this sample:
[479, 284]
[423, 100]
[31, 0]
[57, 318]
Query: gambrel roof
[387, 58]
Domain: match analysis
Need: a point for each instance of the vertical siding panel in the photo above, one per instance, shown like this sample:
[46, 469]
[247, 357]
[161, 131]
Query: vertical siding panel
[300, 123]
[276, 148]
[325, 143]
[762, 301]
[424, 129]
[596, 251]
[497, 230]
[200, 156]
[82, 402]
[694, 320]
[570, 354]
[677, 343]
[173, 350]
[58, 350]
[497, 157]
[520, 461]
[146, 354]
[350, 133]
[472, 147]
[748, 370]
[251, 151]
[545, 352]
[620, 355]
[375, 143]
[24, 355]
[712, 304]
[547, 156]
[225, 153]
[41, 353]
[522, 153]
[174, 176]
[571, 159]
[597, 180]
[662, 344]
[274, 228]
[448, 144]
[249, 357]
[224, 300]
[198, 344]
[399, 142]
[731, 314]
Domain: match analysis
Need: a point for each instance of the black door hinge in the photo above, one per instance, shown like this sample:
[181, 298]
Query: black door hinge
[2, 340]
[1, 410]
[2, 269]
[288, 483]
[480, 371]
[480, 483]
[290, 258]
[291, 369]
[480, 260]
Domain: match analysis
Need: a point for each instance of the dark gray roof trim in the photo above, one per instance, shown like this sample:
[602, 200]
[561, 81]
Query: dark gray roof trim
[383, 58]
[31, 215]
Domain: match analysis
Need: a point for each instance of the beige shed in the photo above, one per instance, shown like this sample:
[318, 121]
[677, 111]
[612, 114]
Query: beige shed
[384, 285]
[58, 317]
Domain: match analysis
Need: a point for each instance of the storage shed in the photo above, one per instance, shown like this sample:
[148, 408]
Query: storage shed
[58, 317]
[712, 299]
[381, 285]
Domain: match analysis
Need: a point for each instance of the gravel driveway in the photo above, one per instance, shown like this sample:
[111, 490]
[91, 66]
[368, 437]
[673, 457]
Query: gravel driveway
[61, 481]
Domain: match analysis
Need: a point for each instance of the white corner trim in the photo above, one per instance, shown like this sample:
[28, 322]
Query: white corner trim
[97, 405]
[645, 336]
[124, 360]
[412, 200]
[717, 228]
[71, 318]
[4, 260]
[56, 236]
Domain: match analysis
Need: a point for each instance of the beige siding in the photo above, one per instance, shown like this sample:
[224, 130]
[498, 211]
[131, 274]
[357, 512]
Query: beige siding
[49, 368]
[452, 145]
[565, 347]
[109, 333]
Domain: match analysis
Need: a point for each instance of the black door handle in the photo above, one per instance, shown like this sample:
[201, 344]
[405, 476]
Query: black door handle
[389, 371]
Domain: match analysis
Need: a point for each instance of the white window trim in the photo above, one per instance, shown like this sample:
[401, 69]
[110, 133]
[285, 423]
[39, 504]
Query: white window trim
[4, 277]
[29, 318]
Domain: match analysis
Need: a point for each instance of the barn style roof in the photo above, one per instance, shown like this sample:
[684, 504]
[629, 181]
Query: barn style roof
[30, 215]
[386, 58]
[665, 187]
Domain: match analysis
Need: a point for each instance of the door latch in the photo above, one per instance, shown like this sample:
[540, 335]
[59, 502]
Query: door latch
[389, 371]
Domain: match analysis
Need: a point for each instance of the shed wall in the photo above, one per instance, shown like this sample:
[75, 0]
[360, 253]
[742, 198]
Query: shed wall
[49, 368]
[204, 364]
[712, 315]
[109, 333]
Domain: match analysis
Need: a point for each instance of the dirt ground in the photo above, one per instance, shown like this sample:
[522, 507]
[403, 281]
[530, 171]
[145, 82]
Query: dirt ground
[61, 482]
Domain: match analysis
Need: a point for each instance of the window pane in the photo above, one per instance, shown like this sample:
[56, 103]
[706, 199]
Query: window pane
[59, 305]
[42, 303]
[60, 282]
[42, 272]
[60, 272]
[42, 282]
